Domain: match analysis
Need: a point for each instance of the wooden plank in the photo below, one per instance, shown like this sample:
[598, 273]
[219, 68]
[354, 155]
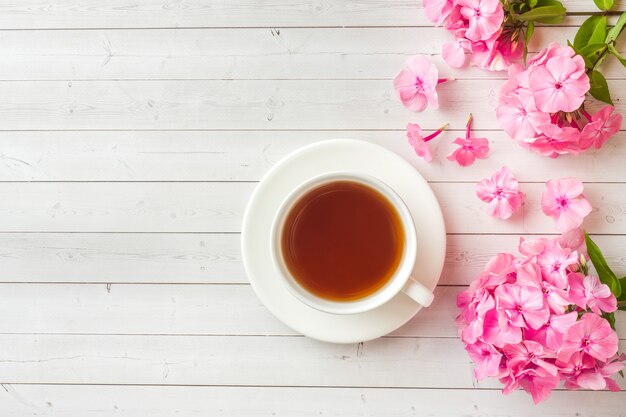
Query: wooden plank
[180, 310]
[218, 207]
[124, 207]
[165, 401]
[240, 104]
[173, 310]
[204, 258]
[245, 156]
[39, 14]
[291, 53]
[137, 309]
[121, 258]
[238, 360]
[234, 360]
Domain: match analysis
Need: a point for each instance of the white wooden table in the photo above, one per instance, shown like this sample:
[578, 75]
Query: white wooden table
[131, 136]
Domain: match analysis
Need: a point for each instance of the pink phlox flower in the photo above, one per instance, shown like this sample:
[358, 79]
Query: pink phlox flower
[483, 51]
[499, 332]
[573, 240]
[582, 371]
[601, 127]
[454, 52]
[563, 200]
[530, 368]
[538, 382]
[500, 266]
[486, 359]
[553, 140]
[469, 148]
[456, 21]
[523, 355]
[521, 306]
[597, 379]
[550, 335]
[518, 115]
[416, 84]
[589, 292]
[437, 10]
[591, 334]
[419, 142]
[501, 192]
[555, 261]
[518, 81]
[556, 298]
[484, 16]
[532, 248]
[611, 367]
[560, 84]
[554, 49]
[474, 314]
[499, 270]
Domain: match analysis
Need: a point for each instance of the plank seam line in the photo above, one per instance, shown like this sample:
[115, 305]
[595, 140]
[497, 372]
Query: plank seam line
[238, 182]
[381, 387]
[239, 130]
[337, 26]
[122, 232]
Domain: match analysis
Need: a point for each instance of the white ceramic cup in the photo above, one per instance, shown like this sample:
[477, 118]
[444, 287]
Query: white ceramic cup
[401, 281]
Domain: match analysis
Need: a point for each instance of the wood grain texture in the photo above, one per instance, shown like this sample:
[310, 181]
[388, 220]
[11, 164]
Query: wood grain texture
[238, 360]
[181, 310]
[121, 258]
[287, 53]
[213, 258]
[39, 14]
[132, 134]
[165, 401]
[202, 207]
[240, 104]
[246, 156]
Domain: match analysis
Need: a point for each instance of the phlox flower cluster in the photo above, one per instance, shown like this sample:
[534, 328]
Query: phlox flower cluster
[541, 106]
[479, 33]
[536, 320]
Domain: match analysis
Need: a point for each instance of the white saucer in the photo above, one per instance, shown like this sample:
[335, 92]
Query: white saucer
[315, 159]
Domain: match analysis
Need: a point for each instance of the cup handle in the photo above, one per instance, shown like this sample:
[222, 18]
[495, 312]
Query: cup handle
[418, 292]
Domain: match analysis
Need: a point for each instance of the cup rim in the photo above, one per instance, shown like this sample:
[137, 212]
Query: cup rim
[371, 301]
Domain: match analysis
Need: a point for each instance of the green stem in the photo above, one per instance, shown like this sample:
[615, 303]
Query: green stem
[598, 59]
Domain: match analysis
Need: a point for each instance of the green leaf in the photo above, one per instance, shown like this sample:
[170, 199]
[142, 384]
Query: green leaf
[599, 33]
[604, 4]
[622, 296]
[529, 33]
[617, 55]
[545, 14]
[542, 3]
[593, 30]
[592, 50]
[606, 275]
[614, 32]
[532, 3]
[600, 91]
[551, 20]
